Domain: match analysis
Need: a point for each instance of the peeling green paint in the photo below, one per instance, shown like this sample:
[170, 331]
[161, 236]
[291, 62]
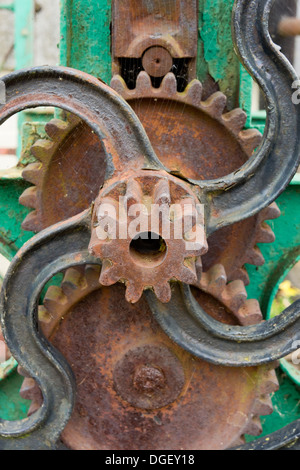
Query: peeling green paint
[12, 406]
[85, 36]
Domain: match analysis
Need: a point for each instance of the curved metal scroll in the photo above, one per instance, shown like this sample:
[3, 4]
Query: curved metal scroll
[261, 180]
[124, 139]
[64, 245]
[286, 438]
[228, 200]
[50, 252]
[186, 323]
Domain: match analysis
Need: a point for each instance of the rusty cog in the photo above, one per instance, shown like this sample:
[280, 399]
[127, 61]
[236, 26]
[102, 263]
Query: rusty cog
[70, 164]
[136, 389]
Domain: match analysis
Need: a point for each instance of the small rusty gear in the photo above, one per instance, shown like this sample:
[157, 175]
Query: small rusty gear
[70, 164]
[149, 257]
[136, 389]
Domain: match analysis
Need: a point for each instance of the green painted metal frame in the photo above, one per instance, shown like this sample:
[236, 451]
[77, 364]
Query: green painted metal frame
[85, 45]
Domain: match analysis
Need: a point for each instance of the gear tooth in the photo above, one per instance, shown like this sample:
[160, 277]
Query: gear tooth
[40, 150]
[34, 407]
[163, 292]
[250, 140]
[96, 245]
[72, 120]
[118, 84]
[188, 273]
[32, 222]
[169, 85]
[254, 427]
[269, 383]
[134, 193]
[250, 313]
[56, 129]
[254, 256]
[5, 352]
[240, 274]
[45, 319]
[73, 280]
[108, 275]
[1, 336]
[28, 389]
[239, 441]
[194, 236]
[33, 173]
[92, 275]
[193, 93]
[234, 296]
[22, 372]
[270, 213]
[263, 406]
[162, 194]
[143, 84]
[235, 120]
[265, 234]
[215, 104]
[55, 300]
[188, 213]
[214, 280]
[29, 198]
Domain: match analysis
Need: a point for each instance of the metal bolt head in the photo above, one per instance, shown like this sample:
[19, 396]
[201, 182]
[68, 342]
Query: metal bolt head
[148, 379]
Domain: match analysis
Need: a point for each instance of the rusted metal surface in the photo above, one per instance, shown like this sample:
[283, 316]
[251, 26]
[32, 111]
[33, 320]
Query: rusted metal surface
[135, 388]
[228, 199]
[143, 267]
[192, 137]
[224, 147]
[64, 246]
[62, 190]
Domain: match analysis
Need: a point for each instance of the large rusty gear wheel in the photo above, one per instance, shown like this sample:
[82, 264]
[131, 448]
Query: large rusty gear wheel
[136, 389]
[70, 164]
